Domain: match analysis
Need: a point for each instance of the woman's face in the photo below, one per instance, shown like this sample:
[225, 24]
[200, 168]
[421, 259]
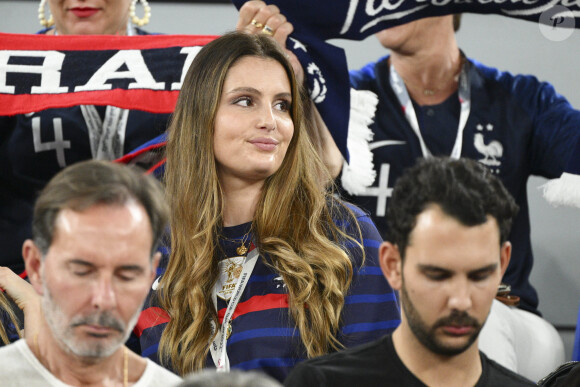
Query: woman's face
[90, 17]
[253, 126]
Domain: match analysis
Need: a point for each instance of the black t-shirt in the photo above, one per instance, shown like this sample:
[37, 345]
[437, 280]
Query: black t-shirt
[377, 363]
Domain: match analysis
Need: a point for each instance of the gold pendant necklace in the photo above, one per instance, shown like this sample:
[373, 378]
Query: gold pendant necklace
[241, 250]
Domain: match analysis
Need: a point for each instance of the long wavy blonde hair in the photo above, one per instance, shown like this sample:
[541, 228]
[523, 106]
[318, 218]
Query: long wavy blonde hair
[6, 308]
[294, 223]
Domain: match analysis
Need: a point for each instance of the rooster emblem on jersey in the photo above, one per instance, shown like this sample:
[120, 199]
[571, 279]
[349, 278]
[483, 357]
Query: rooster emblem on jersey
[491, 151]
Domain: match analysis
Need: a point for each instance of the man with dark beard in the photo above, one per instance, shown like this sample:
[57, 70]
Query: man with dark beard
[448, 250]
[92, 260]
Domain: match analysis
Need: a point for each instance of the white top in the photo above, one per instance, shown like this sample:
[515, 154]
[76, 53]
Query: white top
[19, 367]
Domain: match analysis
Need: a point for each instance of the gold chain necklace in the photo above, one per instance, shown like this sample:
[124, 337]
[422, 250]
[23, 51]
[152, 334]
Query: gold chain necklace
[242, 249]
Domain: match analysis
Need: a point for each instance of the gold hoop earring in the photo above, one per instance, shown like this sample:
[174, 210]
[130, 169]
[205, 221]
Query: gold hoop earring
[147, 9]
[41, 16]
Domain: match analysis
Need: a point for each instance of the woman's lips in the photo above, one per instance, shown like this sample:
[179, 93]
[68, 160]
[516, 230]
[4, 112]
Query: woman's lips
[84, 12]
[266, 144]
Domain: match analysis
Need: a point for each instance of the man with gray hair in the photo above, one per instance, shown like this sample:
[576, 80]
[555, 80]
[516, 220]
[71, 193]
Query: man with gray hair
[96, 229]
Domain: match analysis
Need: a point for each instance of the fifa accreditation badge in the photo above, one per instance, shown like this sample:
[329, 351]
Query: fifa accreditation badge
[230, 270]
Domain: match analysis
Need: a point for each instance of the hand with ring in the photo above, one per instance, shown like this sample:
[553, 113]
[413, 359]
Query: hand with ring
[256, 24]
[257, 17]
[267, 30]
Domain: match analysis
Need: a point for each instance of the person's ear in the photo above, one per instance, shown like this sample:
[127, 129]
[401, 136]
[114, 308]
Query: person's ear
[505, 254]
[33, 264]
[391, 264]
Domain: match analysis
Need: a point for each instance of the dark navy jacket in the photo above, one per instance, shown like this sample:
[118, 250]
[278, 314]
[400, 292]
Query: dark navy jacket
[536, 127]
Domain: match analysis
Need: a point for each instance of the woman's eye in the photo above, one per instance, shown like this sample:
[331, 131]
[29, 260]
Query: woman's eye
[283, 106]
[243, 101]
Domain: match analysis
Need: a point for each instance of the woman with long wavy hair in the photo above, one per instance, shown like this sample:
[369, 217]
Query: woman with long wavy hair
[267, 266]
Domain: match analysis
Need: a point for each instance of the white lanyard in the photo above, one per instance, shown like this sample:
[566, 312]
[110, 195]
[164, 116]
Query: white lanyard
[464, 93]
[218, 345]
[107, 138]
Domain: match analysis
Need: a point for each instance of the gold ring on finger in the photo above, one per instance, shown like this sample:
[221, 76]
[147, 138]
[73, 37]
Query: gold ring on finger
[256, 23]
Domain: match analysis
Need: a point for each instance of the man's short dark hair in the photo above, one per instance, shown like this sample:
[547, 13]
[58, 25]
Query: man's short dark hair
[464, 189]
[93, 182]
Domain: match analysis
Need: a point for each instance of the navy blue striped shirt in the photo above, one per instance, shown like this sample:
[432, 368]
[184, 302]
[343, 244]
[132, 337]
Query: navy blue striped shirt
[264, 337]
